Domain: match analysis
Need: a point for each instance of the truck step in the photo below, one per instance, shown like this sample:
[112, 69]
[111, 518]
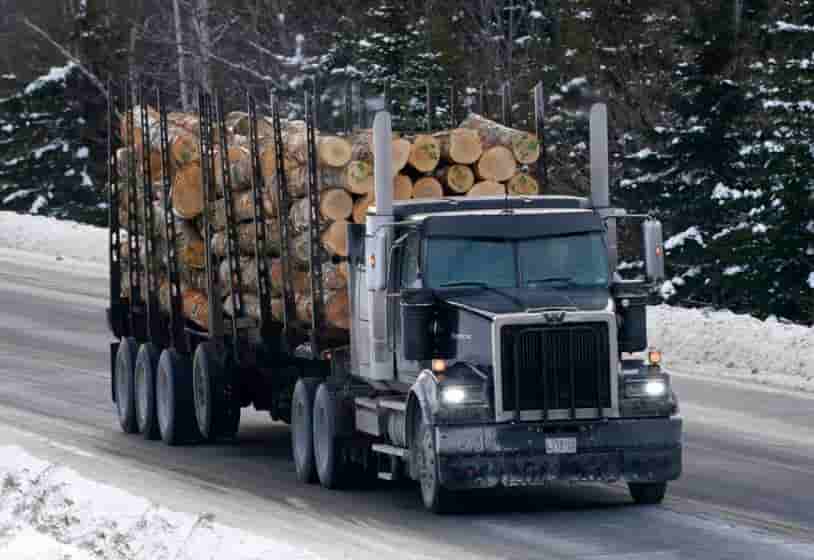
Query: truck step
[399, 405]
[386, 476]
[386, 449]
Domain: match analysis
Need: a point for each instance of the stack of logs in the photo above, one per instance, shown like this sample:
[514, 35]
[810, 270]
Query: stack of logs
[479, 158]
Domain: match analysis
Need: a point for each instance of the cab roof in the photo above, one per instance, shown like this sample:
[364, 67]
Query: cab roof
[403, 210]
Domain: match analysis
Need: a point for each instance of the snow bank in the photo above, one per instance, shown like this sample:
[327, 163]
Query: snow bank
[49, 512]
[56, 238]
[723, 344]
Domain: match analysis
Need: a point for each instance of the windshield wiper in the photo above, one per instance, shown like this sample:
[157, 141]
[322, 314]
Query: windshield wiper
[567, 280]
[461, 283]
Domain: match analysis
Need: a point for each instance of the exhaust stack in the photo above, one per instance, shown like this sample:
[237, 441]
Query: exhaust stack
[600, 191]
[383, 163]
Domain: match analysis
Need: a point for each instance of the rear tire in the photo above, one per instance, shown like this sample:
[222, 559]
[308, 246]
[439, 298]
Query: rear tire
[217, 411]
[329, 449]
[146, 366]
[647, 493]
[174, 400]
[125, 385]
[302, 428]
[436, 498]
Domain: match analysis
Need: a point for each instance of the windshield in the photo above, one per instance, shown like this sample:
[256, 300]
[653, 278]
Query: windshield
[545, 262]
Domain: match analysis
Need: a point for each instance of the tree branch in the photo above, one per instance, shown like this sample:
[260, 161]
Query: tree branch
[67, 54]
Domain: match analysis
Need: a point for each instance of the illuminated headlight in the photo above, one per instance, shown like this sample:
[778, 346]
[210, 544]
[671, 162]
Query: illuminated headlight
[453, 395]
[646, 388]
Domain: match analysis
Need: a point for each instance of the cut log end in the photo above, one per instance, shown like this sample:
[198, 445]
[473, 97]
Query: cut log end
[496, 164]
[187, 192]
[425, 153]
[487, 188]
[334, 151]
[526, 148]
[523, 184]
[428, 187]
[360, 177]
[336, 204]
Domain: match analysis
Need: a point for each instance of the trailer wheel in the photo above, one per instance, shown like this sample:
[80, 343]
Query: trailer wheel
[124, 386]
[302, 430]
[436, 498]
[217, 410]
[647, 493]
[329, 452]
[174, 400]
[146, 366]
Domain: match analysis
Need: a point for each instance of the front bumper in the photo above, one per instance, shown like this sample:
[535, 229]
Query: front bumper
[485, 456]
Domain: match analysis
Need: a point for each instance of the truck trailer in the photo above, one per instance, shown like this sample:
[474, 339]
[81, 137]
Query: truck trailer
[492, 340]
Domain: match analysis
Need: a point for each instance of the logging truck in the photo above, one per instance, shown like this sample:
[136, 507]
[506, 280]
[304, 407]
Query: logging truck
[480, 341]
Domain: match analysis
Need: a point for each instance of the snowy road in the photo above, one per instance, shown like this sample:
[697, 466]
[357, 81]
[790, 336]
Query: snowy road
[747, 491]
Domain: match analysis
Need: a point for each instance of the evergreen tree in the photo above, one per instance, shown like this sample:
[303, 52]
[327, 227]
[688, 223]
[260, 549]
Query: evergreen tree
[45, 165]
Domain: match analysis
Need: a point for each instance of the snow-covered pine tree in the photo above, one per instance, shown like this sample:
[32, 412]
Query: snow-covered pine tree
[777, 237]
[45, 165]
[694, 165]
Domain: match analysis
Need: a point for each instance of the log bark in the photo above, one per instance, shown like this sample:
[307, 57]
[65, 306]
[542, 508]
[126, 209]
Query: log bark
[360, 177]
[336, 204]
[457, 178]
[187, 191]
[524, 146]
[460, 145]
[487, 188]
[243, 210]
[425, 153]
[496, 164]
[360, 208]
[428, 187]
[402, 187]
[336, 308]
[523, 184]
[240, 169]
[251, 307]
[245, 236]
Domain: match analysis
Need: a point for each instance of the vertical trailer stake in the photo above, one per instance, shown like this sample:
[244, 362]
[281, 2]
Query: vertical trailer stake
[208, 178]
[153, 319]
[429, 107]
[134, 245]
[176, 330]
[259, 215]
[314, 230]
[235, 283]
[506, 103]
[482, 101]
[539, 123]
[349, 107]
[114, 230]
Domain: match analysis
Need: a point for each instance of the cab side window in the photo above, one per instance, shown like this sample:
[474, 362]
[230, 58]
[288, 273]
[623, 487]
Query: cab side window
[409, 263]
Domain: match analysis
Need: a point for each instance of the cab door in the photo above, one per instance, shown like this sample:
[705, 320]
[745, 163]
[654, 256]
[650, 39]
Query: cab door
[406, 275]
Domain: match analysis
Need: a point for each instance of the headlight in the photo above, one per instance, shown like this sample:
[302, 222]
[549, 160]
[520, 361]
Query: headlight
[453, 395]
[653, 388]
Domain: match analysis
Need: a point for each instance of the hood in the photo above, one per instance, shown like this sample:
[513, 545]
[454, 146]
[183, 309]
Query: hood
[499, 301]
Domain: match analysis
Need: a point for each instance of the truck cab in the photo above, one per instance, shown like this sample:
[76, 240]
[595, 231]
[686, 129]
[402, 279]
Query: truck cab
[504, 349]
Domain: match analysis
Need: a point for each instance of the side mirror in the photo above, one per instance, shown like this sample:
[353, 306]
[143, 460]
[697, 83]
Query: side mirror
[653, 240]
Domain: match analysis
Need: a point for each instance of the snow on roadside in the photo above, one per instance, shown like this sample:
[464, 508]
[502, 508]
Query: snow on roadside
[50, 512]
[53, 237]
[723, 344]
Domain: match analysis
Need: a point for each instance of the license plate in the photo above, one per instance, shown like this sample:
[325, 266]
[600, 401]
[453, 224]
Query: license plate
[560, 446]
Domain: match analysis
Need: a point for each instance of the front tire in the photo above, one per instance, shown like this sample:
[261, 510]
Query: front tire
[436, 498]
[302, 428]
[174, 400]
[647, 493]
[216, 411]
[125, 385]
[146, 367]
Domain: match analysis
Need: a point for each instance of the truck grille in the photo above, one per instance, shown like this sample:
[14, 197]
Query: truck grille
[562, 367]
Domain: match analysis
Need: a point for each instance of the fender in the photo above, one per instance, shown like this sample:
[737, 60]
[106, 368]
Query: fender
[423, 400]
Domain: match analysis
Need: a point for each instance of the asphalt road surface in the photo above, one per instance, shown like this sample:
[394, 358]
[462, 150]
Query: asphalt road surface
[747, 489]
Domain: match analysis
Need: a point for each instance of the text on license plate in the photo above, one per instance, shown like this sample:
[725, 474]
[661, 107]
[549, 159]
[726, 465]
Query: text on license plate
[555, 446]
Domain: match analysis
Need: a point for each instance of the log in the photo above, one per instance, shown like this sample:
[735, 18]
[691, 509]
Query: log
[251, 307]
[237, 122]
[187, 191]
[525, 147]
[335, 238]
[425, 153]
[243, 208]
[336, 204]
[360, 177]
[360, 208]
[496, 164]
[523, 184]
[334, 151]
[402, 187]
[336, 308]
[401, 153]
[428, 187]
[460, 145]
[487, 188]
[240, 169]
[248, 276]
[189, 245]
[245, 236]
[457, 178]
[195, 306]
